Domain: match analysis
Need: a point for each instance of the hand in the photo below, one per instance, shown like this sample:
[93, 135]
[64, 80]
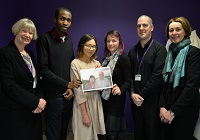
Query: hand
[168, 118]
[42, 104]
[97, 65]
[137, 99]
[75, 83]
[68, 94]
[40, 107]
[86, 120]
[37, 110]
[116, 90]
[162, 113]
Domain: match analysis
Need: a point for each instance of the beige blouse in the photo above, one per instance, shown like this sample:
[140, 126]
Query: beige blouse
[93, 106]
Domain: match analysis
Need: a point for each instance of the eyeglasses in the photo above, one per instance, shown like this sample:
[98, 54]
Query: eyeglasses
[90, 46]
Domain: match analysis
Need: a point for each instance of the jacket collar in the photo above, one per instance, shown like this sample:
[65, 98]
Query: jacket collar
[18, 56]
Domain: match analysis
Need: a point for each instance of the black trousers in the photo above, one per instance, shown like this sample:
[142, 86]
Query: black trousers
[101, 137]
[57, 116]
[146, 123]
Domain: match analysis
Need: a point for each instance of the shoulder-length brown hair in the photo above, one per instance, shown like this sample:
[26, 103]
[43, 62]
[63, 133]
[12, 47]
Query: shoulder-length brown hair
[185, 24]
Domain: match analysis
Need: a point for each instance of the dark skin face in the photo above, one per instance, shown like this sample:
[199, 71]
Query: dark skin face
[63, 22]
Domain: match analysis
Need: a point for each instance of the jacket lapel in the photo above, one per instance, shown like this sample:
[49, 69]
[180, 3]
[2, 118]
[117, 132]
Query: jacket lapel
[19, 59]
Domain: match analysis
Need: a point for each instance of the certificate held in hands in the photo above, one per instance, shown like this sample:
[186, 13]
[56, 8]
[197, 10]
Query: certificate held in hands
[96, 79]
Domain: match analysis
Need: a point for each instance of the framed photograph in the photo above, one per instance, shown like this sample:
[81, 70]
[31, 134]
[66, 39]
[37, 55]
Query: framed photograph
[96, 78]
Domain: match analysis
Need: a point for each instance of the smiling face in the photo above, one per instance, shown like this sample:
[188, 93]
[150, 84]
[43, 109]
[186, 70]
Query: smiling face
[24, 36]
[144, 28]
[176, 32]
[89, 49]
[112, 43]
[63, 22]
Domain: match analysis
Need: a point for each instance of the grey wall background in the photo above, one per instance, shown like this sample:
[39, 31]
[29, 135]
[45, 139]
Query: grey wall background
[97, 17]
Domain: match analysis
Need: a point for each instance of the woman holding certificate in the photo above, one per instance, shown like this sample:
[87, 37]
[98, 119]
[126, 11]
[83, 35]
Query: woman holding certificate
[120, 66]
[87, 120]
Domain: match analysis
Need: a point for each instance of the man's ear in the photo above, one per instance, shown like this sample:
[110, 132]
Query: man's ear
[152, 27]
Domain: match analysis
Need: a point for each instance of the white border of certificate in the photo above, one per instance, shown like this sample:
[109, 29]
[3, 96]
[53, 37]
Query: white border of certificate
[86, 73]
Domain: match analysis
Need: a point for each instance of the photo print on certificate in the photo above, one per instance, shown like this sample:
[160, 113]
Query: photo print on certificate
[96, 78]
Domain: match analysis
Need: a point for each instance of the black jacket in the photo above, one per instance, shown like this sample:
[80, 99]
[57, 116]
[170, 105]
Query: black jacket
[186, 95]
[17, 81]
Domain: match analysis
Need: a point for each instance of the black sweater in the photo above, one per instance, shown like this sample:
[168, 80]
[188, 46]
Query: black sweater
[150, 70]
[54, 60]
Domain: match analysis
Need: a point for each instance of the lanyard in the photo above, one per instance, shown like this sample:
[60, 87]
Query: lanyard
[143, 55]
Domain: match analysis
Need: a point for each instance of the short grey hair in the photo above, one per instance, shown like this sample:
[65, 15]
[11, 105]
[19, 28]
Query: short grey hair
[24, 23]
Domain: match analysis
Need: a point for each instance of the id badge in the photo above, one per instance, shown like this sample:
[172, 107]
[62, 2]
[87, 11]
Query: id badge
[138, 77]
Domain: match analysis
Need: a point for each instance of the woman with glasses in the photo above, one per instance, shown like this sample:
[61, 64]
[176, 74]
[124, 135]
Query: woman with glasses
[87, 120]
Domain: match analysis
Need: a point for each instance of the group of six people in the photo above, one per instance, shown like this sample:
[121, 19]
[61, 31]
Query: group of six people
[163, 85]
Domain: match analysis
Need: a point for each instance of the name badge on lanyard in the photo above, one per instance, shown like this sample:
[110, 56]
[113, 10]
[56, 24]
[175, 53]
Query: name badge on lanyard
[138, 77]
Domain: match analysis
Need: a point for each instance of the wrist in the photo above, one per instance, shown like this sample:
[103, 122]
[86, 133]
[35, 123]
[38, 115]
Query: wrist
[172, 113]
[84, 116]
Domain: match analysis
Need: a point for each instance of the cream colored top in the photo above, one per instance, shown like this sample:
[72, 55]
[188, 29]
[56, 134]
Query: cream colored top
[93, 106]
[195, 41]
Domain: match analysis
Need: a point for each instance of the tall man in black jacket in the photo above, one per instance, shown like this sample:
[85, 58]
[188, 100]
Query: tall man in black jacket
[147, 59]
[55, 53]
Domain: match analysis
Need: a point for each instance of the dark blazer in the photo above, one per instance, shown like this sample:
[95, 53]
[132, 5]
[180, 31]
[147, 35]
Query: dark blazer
[16, 80]
[17, 97]
[186, 95]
